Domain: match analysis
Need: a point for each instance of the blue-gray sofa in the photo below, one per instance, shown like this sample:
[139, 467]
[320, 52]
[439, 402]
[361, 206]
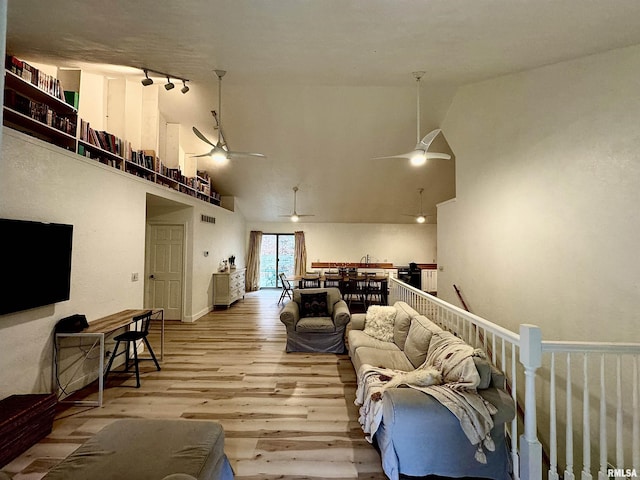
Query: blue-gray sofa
[417, 435]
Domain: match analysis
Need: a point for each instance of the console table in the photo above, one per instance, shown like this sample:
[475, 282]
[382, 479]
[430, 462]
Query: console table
[98, 330]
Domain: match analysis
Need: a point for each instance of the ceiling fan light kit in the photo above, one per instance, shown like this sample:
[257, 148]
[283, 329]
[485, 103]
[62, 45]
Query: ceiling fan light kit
[420, 154]
[295, 216]
[219, 153]
[420, 217]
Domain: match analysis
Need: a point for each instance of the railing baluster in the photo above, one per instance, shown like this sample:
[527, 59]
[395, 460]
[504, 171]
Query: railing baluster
[553, 441]
[515, 459]
[619, 438]
[586, 425]
[602, 473]
[635, 444]
[568, 472]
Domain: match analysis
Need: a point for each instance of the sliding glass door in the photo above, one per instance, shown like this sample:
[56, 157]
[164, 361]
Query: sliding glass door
[276, 257]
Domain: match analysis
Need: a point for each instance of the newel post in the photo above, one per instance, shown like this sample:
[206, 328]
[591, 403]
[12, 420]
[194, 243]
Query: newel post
[531, 359]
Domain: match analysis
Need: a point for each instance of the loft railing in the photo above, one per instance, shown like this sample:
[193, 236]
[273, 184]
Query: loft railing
[519, 356]
[601, 391]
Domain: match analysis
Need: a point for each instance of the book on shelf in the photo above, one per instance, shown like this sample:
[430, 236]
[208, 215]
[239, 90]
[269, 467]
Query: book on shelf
[39, 111]
[105, 140]
[31, 74]
[72, 98]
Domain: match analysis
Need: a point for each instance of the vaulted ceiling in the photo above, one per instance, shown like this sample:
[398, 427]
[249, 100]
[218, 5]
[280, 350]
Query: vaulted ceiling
[319, 86]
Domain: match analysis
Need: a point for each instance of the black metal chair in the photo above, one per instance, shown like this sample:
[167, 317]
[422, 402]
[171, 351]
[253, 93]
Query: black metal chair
[310, 280]
[332, 280]
[355, 289]
[140, 331]
[374, 292]
[286, 288]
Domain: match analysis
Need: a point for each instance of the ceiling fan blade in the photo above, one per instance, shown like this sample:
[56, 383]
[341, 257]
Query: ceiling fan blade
[203, 155]
[245, 154]
[442, 156]
[403, 155]
[202, 137]
[428, 139]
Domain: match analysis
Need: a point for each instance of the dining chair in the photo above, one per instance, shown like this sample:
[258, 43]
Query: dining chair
[286, 288]
[332, 280]
[310, 282]
[355, 291]
[374, 293]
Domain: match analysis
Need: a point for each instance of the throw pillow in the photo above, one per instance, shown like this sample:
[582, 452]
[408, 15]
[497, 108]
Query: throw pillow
[313, 305]
[379, 321]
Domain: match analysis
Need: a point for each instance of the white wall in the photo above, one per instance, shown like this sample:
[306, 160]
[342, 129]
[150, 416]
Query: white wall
[344, 242]
[206, 246]
[545, 228]
[107, 208]
[91, 106]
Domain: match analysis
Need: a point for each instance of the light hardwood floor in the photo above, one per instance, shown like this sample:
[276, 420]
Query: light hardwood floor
[285, 416]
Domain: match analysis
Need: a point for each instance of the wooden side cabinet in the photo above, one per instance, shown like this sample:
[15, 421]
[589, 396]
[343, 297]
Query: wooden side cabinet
[228, 287]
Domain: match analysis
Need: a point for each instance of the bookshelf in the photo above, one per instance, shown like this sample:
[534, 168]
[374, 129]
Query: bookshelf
[32, 110]
[35, 104]
[115, 152]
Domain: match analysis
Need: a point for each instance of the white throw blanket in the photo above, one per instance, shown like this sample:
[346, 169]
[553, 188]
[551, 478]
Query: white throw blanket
[460, 397]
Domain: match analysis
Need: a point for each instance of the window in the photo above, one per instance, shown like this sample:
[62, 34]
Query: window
[276, 257]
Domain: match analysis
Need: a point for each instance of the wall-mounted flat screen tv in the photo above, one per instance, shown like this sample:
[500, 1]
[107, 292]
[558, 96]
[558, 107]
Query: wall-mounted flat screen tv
[37, 266]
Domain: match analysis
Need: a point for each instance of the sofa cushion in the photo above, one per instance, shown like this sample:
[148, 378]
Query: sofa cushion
[419, 338]
[315, 324]
[357, 339]
[313, 304]
[379, 322]
[404, 314]
[454, 358]
[484, 370]
[377, 357]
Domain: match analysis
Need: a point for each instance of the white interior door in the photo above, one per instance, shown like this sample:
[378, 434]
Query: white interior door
[166, 258]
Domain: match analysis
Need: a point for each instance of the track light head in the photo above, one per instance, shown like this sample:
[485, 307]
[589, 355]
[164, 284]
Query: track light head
[184, 88]
[168, 85]
[146, 81]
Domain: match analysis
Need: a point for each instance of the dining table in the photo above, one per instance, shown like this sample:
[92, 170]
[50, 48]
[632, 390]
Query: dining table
[343, 279]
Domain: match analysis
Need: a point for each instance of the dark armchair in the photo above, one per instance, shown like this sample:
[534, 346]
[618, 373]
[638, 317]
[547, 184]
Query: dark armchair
[316, 320]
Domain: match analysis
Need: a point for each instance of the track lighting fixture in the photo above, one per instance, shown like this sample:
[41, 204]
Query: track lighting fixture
[146, 81]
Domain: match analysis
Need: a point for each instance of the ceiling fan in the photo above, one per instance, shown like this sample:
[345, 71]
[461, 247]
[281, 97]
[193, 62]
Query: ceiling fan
[219, 153]
[419, 155]
[420, 217]
[295, 216]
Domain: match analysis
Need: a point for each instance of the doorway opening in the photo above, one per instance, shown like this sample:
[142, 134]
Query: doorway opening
[276, 257]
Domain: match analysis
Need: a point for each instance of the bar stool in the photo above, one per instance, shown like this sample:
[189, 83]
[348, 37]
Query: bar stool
[140, 332]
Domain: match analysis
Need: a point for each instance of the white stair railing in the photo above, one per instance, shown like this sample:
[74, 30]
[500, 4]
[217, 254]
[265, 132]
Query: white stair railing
[615, 392]
[608, 373]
